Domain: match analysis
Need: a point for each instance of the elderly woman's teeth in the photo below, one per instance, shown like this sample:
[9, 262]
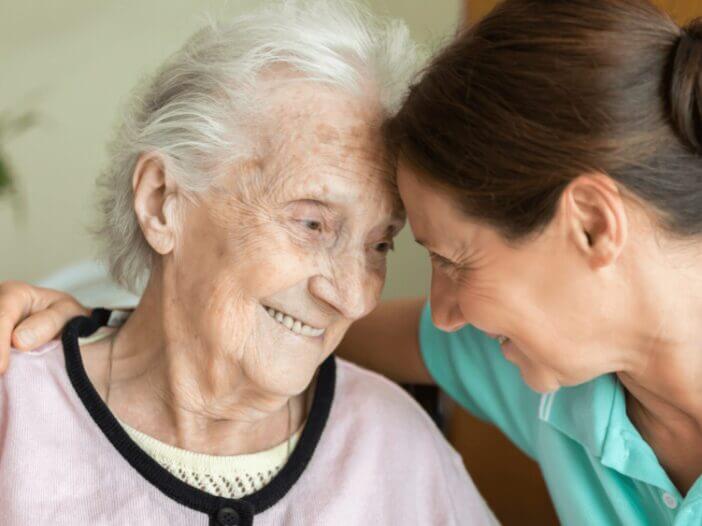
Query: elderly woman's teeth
[502, 339]
[294, 325]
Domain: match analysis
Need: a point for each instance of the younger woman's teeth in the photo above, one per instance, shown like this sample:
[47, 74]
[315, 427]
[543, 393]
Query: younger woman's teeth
[502, 339]
[292, 324]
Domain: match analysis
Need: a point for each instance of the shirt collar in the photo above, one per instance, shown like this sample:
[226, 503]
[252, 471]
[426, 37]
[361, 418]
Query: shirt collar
[594, 415]
[582, 412]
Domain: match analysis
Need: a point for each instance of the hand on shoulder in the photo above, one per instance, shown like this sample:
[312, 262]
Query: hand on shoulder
[31, 316]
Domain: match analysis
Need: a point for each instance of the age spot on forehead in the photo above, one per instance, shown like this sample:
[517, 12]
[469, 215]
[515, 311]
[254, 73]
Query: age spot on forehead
[326, 133]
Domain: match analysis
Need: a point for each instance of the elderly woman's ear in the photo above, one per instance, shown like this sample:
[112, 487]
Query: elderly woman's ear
[156, 202]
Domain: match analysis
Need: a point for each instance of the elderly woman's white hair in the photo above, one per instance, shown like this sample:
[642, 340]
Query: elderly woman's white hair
[195, 111]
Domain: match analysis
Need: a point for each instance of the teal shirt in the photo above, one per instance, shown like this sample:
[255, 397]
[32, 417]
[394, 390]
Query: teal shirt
[597, 467]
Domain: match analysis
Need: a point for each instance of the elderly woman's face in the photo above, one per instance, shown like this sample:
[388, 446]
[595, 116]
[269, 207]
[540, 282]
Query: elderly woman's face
[282, 254]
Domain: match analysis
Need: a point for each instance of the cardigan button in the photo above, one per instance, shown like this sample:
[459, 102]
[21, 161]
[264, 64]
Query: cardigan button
[228, 517]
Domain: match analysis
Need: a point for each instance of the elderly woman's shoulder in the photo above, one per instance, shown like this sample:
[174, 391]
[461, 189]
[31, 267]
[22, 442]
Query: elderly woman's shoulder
[51, 358]
[40, 371]
[392, 440]
[47, 355]
[379, 398]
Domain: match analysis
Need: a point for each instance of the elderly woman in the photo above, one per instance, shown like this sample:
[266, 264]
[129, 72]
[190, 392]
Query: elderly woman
[551, 163]
[248, 186]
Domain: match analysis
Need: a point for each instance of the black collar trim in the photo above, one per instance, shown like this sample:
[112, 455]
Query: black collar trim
[152, 471]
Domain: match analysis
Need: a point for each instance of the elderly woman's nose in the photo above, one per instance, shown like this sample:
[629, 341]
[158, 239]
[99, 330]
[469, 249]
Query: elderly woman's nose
[350, 290]
[445, 309]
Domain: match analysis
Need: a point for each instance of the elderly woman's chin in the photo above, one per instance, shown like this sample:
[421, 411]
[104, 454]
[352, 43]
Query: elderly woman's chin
[272, 354]
[285, 357]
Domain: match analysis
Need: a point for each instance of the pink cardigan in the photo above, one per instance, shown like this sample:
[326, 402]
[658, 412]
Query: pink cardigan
[368, 455]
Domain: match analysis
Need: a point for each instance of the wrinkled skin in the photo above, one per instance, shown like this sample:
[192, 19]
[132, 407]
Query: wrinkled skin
[305, 228]
[303, 225]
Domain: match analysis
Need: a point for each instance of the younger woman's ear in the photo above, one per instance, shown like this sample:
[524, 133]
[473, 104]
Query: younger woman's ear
[595, 218]
[155, 199]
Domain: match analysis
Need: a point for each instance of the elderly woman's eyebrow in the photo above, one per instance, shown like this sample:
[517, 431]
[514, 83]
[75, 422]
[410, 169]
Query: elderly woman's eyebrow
[397, 223]
[319, 201]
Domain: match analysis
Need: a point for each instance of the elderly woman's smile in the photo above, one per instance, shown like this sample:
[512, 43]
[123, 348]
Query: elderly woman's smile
[294, 324]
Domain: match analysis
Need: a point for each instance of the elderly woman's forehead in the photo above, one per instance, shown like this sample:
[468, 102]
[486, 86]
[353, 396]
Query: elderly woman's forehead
[326, 113]
[334, 133]
[313, 136]
[257, 184]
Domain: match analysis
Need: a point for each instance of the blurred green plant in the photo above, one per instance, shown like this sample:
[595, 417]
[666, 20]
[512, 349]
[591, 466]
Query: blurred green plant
[5, 178]
[11, 126]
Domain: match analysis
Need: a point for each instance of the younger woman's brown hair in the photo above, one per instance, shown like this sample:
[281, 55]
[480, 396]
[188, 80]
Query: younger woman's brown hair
[542, 91]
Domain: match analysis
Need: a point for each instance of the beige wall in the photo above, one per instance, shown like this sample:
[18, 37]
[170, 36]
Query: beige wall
[74, 61]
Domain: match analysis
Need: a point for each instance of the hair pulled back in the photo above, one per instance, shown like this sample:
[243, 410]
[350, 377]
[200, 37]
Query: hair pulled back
[686, 85]
[542, 91]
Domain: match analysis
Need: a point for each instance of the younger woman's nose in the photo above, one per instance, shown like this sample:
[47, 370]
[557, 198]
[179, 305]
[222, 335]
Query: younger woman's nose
[445, 310]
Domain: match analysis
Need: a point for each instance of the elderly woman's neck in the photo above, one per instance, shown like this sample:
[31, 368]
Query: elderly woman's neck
[172, 383]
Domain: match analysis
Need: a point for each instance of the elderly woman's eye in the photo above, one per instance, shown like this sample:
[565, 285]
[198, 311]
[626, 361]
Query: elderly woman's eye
[385, 247]
[315, 226]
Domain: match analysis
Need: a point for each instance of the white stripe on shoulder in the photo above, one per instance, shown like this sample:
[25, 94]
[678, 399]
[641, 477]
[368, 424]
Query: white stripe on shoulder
[545, 405]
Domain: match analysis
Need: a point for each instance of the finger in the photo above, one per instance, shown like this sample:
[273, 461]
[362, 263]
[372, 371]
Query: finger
[4, 360]
[41, 298]
[14, 299]
[44, 326]
[5, 328]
